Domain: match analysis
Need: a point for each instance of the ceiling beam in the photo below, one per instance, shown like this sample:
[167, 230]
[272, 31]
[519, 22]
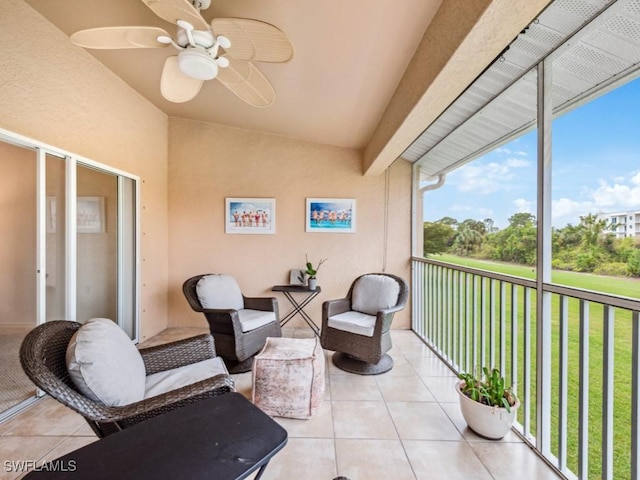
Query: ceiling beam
[464, 37]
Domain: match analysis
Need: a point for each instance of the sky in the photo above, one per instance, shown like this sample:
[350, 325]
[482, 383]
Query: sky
[596, 168]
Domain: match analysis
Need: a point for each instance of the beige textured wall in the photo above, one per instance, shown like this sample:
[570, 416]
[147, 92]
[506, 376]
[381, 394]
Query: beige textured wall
[209, 162]
[57, 93]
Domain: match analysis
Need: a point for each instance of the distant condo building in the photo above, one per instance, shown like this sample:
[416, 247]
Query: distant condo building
[623, 224]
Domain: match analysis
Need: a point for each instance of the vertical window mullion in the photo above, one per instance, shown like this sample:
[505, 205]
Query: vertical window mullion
[543, 260]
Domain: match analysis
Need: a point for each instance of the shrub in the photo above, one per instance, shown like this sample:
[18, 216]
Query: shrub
[633, 263]
[560, 264]
[616, 269]
[586, 262]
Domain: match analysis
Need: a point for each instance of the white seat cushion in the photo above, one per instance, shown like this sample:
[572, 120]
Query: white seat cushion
[219, 292]
[373, 293]
[354, 322]
[105, 365]
[252, 319]
[169, 380]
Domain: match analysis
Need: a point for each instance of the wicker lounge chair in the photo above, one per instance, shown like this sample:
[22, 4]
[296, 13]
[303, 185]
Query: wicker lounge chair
[43, 352]
[232, 318]
[357, 327]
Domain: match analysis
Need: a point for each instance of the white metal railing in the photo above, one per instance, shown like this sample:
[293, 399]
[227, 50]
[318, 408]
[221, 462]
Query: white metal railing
[473, 318]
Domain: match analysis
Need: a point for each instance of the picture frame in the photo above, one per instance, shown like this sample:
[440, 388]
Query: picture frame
[90, 215]
[298, 277]
[250, 216]
[330, 215]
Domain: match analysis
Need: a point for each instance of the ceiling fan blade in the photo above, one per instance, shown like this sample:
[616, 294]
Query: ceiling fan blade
[174, 10]
[253, 40]
[175, 86]
[247, 82]
[119, 37]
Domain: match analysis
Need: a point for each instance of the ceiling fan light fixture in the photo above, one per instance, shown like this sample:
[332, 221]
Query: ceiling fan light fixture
[196, 63]
[200, 38]
[223, 41]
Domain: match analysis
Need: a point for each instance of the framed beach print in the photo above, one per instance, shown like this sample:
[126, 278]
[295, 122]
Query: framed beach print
[250, 215]
[90, 213]
[335, 215]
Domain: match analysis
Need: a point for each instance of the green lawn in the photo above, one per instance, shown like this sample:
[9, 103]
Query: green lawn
[623, 286]
[622, 360]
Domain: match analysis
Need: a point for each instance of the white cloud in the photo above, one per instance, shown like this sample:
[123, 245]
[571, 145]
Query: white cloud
[617, 196]
[524, 206]
[623, 194]
[460, 208]
[565, 210]
[490, 177]
[466, 208]
[462, 212]
[517, 163]
[508, 151]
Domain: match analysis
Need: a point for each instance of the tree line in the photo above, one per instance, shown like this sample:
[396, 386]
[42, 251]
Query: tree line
[589, 246]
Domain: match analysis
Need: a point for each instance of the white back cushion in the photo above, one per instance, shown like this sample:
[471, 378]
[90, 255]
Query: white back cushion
[372, 293]
[219, 292]
[105, 365]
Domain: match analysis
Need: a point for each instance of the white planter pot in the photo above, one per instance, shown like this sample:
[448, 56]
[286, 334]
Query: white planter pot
[489, 422]
[312, 283]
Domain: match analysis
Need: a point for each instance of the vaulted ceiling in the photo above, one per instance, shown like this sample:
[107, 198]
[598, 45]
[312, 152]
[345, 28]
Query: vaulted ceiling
[348, 59]
[368, 75]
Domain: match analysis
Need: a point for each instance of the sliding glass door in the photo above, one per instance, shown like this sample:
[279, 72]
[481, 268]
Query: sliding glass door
[106, 247]
[69, 249]
[96, 244]
[55, 239]
[18, 258]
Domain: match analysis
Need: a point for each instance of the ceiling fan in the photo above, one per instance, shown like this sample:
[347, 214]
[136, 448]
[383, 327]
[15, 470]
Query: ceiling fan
[225, 50]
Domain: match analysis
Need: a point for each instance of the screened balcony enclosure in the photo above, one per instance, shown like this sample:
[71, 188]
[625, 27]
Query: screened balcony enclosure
[572, 354]
[471, 318]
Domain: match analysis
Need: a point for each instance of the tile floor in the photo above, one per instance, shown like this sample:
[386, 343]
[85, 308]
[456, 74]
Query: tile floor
[404, 424]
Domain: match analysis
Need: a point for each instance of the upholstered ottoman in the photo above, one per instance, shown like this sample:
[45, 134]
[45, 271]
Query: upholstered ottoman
[288, 377]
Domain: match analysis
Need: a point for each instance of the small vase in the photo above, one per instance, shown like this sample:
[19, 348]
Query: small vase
[313, 283]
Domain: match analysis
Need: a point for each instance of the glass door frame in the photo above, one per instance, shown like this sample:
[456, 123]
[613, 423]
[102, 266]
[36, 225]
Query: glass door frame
[72, 161]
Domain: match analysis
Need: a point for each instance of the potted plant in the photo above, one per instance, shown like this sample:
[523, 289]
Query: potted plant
[313, 281]
[487, 404]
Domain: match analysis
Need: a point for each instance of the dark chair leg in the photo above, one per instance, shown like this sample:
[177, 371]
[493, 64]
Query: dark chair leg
[239, 367]
[353, 365]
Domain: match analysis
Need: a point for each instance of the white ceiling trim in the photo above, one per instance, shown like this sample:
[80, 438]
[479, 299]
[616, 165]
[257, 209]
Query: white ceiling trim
[595, 46]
